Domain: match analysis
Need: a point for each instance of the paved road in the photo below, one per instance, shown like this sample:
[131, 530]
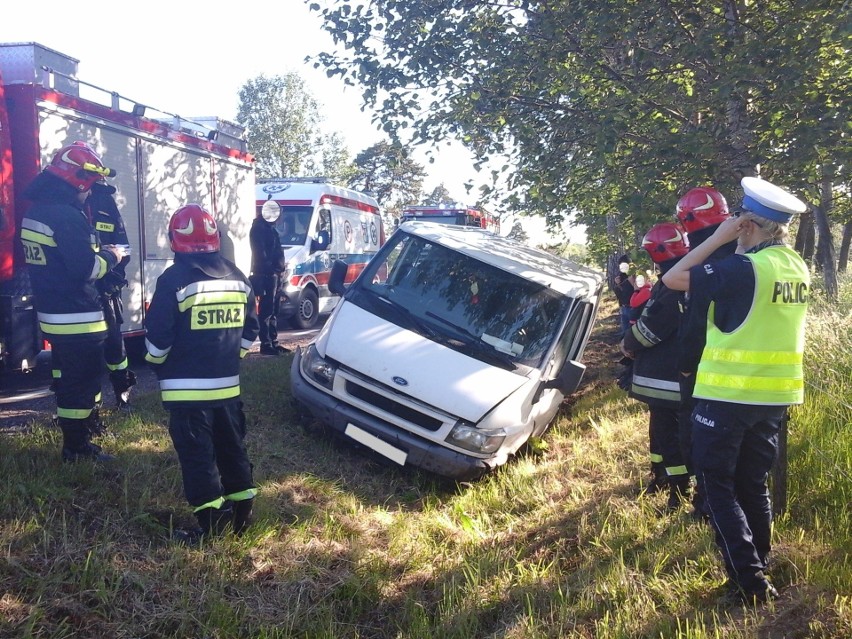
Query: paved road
[24, 396]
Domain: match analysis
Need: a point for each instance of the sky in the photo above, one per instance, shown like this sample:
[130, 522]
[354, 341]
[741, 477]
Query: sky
[191, 58]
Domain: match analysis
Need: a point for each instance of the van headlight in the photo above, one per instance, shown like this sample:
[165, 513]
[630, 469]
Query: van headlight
[318, 368]
[466, 435]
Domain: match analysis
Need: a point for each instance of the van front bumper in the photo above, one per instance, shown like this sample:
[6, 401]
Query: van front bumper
[419, 452]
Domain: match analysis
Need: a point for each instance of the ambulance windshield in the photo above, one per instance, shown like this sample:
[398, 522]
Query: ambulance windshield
[293, 225]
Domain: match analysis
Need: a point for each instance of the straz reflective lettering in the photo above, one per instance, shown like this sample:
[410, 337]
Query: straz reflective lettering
[790, 293]
[33, 253]
[217, 316]
[105, 226]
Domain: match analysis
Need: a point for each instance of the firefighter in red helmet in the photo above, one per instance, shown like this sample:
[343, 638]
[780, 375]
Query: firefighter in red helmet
[652, 343]
[700, 211]
[64, 263]
[200, 324]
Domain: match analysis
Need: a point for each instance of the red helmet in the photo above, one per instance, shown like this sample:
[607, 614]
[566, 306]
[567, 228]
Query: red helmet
[79, 166]
[700, 208]
[665, 241]
[193, 230]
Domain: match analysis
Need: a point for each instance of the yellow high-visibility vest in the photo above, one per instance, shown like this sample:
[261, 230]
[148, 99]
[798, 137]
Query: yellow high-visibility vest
[760, 362]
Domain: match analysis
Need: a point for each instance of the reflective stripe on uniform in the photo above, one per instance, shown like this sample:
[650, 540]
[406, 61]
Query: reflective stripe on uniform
[38, 238]
[155, 355]
[212, 292]
[118, 367]
[216, 503]
[243, 495]
[674, 471]
[99, 269]
[72, 323]
[199, 389]
[73, 413]
[657, 388]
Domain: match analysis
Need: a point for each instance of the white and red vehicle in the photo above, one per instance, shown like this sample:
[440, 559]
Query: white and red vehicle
[319, 223]
[162, 163]
[461, 216]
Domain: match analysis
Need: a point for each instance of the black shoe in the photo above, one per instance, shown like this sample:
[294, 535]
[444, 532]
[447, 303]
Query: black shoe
[735, 595]
[269, 350]
[281, 349]
[91, 452]
[658, 484]
[188, 536]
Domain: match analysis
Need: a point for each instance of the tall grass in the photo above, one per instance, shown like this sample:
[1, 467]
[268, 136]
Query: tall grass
[555, 544]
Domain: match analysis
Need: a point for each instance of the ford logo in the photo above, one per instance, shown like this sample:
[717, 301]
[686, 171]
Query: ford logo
[400, 381]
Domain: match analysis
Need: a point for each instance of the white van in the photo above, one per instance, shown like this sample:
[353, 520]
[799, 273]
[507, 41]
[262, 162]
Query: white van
[452, 348]
[319, 223]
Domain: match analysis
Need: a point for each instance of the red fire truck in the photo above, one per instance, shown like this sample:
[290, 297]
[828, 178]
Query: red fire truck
[163, 161]
[458, 215]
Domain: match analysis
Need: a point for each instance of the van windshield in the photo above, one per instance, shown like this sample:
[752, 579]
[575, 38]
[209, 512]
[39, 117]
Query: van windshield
[461, 302]
[293, 225]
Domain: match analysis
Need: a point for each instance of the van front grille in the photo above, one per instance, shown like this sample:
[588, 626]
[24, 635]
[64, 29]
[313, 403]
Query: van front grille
[390, 406]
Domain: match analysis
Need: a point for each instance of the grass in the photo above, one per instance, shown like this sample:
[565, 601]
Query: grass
[555, 544]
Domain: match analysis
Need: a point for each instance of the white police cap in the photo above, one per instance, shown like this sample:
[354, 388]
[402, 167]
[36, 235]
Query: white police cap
[772, 202]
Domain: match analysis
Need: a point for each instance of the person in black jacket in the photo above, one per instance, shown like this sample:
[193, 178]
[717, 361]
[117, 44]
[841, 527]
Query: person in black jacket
[652, 342]
[623, 286]
[200, 324]
[109, 226]
[64, 263]
[700, 211]
[267, 265]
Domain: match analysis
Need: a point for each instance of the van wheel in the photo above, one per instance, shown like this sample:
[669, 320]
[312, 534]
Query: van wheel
[308, 313]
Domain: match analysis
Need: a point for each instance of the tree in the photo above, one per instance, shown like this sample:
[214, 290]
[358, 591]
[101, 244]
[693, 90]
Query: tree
[613, 111]
[439, 195]
[284, 130]
[389, 174]
[518, 233]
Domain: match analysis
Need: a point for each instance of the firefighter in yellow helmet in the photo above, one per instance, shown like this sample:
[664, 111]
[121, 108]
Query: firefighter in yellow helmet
[750, 372]
[200, 324]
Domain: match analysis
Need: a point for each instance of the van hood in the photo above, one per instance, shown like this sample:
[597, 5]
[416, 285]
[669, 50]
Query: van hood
[405, 361]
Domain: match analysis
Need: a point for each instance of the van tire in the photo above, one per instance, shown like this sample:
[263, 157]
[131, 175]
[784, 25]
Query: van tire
[307, 312]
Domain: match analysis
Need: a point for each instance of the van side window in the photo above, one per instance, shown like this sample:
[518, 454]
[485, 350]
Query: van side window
[573, 335]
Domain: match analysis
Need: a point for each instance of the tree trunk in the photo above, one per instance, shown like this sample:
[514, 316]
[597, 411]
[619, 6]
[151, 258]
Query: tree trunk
[825, 246]
[843, 258]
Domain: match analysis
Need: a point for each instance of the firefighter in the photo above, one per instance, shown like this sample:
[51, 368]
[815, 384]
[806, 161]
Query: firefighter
[200, 324]
[64, 264]
[267, 264]
[652, 342]
[699, 211]
[750, 372]
[109, 227]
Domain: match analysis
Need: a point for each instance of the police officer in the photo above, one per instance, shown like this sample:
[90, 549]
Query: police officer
[109, 226]
[267, 264]
[652, 342]
[64, 263]
[200, 323]
[700, 211]
[750, 372]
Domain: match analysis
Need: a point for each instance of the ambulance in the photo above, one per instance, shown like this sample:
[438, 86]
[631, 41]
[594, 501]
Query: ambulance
[319, 223]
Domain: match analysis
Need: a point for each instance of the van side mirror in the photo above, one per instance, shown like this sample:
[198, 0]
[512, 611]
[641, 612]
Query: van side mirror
[337, 277]
[321, 242]
[568, 379]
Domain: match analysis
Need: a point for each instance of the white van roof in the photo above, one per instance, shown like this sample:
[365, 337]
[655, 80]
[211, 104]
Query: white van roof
[558, 273]
[304, 189]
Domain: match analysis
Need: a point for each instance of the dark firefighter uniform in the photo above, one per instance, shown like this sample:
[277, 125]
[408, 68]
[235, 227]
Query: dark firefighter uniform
[201, 322]
[60, 249]
[653, 340]
[109, 227]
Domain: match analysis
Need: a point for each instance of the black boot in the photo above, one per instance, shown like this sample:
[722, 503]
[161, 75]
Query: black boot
[122, 381]
[659, 481]
[679, 490]
[242, 515]
[94, 424]
[212, 522]
[76, 445]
